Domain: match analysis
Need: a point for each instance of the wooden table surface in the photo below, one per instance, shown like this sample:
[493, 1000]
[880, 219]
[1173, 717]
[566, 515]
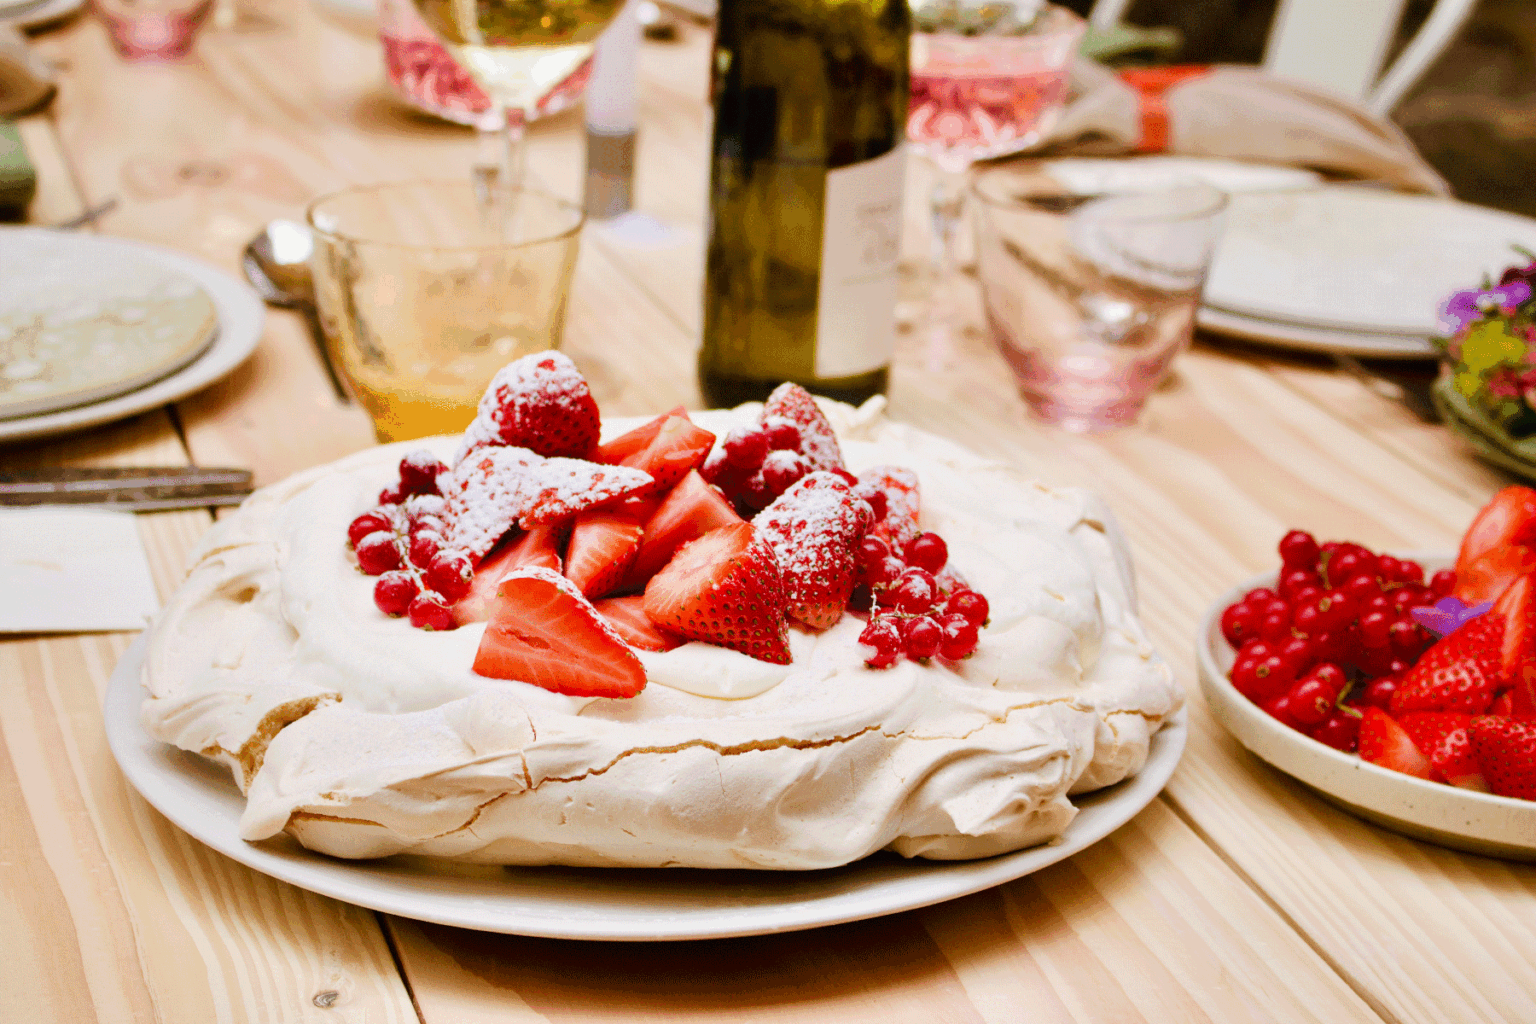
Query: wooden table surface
[1236, 896]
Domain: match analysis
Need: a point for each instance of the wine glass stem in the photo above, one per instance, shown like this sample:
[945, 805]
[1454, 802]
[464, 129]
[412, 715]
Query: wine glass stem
[946, 203]
[501, 164]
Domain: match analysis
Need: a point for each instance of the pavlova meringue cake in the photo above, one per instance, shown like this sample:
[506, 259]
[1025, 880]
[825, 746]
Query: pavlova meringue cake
[647, 651]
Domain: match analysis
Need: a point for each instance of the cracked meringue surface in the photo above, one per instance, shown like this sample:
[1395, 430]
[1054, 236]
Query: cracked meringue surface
[364, 737]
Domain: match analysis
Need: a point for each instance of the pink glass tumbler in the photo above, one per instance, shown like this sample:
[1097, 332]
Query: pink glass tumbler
[151, 30]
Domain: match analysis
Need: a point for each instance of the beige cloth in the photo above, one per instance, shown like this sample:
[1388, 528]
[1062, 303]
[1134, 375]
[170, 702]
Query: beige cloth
[1240, 113]
[26, 80]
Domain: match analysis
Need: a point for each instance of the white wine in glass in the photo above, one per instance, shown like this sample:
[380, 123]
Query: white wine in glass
[518, 50]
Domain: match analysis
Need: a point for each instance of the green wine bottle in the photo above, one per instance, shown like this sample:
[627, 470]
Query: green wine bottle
[805, 197]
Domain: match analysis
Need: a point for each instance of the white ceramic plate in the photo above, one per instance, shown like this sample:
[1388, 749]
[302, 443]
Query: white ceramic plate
[1357, 259]
[241, 316]
[1314, 339]
[593, 903]
[1496, 826]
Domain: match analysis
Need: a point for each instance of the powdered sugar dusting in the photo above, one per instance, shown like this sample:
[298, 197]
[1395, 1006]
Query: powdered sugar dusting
[818, 443]
[813, 527]
[527, 397]
[569, 589]
[902, 502]
[502, 487]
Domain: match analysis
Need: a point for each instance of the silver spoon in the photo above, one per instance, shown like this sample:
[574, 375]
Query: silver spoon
[276, 262]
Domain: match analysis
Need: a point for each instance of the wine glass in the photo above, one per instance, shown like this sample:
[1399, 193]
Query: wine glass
[518, 51]
[987, 81]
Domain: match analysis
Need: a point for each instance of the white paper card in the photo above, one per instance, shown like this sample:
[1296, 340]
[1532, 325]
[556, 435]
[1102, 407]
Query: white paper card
[65, 570]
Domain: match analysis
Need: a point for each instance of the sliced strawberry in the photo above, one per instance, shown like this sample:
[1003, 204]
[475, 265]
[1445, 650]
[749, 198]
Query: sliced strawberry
[815, 527]
[616, 451]
[818, 441]
[1503, 704]
[1484, 578]
[603, 544]
[1506, 749]
[1444, 738]
[539, 546]
[540, 402]
[1384, 742]
[627, 617]
[542, 631]
[679, 447]
[899, 485]
[498, 488]
[724, 589]
[1462, 672]
[689, 511]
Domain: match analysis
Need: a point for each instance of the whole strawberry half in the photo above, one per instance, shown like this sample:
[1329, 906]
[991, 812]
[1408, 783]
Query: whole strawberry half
[814, 528]
[724, 589]
[1506, 750]
[539, 546]
[542, 631]
[1386, 743]
[818, 441]
[1445, 738]
[1462, 672]
[540, 402]
[627, 617]
[899, 524]
[603, 545]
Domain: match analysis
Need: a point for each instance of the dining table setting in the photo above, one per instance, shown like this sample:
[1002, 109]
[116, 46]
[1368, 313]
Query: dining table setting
[265, 258]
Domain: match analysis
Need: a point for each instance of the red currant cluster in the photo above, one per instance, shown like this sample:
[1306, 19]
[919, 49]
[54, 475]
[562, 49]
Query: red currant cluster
[914, 613]
[1334, 635]
[402, 542]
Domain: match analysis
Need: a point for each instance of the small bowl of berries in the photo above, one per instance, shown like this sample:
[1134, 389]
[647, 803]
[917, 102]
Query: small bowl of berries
[1402, 689]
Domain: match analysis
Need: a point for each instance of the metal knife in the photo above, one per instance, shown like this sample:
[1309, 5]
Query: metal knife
[128, 488]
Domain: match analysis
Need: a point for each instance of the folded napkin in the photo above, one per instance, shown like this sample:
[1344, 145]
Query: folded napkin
[1237, 113]
[26, 80]
[72, 570]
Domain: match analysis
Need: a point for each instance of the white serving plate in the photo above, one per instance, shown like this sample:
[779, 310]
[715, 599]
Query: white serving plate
[1496, 826]
[241, 317]
[1361, 260]
[593, 903]
[1305, 338]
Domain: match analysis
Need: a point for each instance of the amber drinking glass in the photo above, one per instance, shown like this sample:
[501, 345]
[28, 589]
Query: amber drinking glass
[422, 300]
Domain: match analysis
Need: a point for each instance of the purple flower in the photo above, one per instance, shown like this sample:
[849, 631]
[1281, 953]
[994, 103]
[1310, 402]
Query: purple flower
[1467, 307]
[1448, 615]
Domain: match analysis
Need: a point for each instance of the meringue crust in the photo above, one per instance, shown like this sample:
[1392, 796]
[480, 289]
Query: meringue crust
[364, 737]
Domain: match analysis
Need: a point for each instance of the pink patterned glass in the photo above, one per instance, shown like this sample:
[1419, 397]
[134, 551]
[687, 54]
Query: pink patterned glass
[425, 75]
[153, 29]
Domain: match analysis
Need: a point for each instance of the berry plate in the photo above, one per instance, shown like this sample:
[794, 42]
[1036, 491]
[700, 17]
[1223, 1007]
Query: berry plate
[1495, 826]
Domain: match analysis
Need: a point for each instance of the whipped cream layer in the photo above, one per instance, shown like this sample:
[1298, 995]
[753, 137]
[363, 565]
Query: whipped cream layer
[364, 737]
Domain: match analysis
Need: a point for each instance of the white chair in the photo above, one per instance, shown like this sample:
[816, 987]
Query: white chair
[1340, 45]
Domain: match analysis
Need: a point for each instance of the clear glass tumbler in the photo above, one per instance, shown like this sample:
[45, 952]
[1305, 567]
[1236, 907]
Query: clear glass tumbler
[1090, 297]
[422, 300]
[153, 29]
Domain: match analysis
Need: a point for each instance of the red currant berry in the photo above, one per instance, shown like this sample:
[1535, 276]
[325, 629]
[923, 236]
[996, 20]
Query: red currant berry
[1275, 628]
[1294, 579]
[1443, 582]
[1279, 708]
[1407, 638]
[363, 525]
[1275, 606]
[1378, 692]
[429, 611]
[1388, 569]
[450, 574]
[781, 469]
[424, 547]
[914, 591]
[1340, 730]
[1239, 622]
[1376, 628]
[427, 521]
[1330, 547]
[722, 472]
[1245, 679]
[1337, 609]
[971, 604]
[782, 434]
[745, 448]
[1346, 565]
[875, 497]
[377, 553]
[418, 472]
[1257, 649]
[960, 636]
[1311, 702]
[1410, 572]
[884, 635]
[1410, 596]
[873, 552]
[1298, 550]
[1379, 603]
[393, 496]
[1259, 596]
[1331, 674]
[922, 637]
[1309, 618]
[887, 571]
[927, 551]
[1398, 667]
[394, 591]
[1362, 589]
[1299, 652]
[1306, 595]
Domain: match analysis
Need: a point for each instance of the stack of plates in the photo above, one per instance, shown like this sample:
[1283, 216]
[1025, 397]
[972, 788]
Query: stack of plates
[1352, 269]
[94, 329]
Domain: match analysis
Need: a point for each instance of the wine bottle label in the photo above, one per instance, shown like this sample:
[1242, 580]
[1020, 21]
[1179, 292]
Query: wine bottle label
[860, 245]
